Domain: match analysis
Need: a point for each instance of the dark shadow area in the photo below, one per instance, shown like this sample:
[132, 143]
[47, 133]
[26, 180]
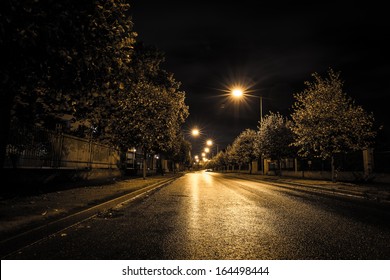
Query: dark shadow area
[27, 182]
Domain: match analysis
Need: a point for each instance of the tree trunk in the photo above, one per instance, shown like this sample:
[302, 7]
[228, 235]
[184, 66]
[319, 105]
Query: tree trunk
[144, 166]
[280, 167]
[262, 164]
[333, 169]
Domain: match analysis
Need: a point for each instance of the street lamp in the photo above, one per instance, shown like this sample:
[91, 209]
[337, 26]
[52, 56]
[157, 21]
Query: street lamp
[210, 143]
[239, 93]
[195, 132]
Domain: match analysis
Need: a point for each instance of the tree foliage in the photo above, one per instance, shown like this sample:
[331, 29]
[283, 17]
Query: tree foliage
[62, 58]
[67, 56]
[245, 147]
[243, 150]
[80, 59]
[326, 121]
[151, 107]
[180, 151]
[275, 136]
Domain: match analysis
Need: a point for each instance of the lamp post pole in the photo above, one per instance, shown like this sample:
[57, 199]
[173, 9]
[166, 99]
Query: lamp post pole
[261, 120]
[261, 109]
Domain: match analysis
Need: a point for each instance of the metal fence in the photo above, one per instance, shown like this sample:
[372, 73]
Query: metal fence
[39, 148]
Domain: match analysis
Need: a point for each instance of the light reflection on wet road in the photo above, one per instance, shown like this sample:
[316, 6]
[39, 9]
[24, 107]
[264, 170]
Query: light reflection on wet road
[206, 215]
[220, 222]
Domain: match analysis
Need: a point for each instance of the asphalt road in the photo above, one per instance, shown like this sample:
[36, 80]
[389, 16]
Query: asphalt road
[206, 215]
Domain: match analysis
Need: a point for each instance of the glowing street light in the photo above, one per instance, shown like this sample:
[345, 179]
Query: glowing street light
[209, 142]
[207, 150]
[237, 92]
[195, 132]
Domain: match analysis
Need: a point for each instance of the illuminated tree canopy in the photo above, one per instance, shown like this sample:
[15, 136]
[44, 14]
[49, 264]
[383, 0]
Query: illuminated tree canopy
[275, 137]
[326, 121]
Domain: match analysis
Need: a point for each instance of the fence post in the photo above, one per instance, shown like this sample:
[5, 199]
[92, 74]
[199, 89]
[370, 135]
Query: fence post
[368, 161]
[57, 153]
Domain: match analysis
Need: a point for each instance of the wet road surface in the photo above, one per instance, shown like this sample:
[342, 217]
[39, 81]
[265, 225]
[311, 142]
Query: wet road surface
[206, 215]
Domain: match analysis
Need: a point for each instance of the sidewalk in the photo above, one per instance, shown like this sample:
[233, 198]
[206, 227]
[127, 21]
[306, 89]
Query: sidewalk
[22, 213]
[373, 191]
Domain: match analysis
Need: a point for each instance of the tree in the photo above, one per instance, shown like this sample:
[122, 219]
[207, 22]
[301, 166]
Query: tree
[150, 109]
[79, 58]
[229, 157]
[326, 121]
[246, 147]
[180, 152]
[215, 161]
[62, 57]
[275, 137]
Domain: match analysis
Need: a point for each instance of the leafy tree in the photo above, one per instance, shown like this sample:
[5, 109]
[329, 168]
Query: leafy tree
[151, 108]
[62, 57]
[215, 161]
[224, 159]
[79, 58]
[326, 121]
[245, 148]
[275, 137]
[180, 151]
[229, 157]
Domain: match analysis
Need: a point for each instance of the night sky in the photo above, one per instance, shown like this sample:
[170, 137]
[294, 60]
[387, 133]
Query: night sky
[271, 49]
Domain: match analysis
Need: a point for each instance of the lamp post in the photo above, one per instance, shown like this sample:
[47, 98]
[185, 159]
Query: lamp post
[261, 109]
[238, 92]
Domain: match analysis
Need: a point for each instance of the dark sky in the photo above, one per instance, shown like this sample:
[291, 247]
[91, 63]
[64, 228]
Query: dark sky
[272, 48]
